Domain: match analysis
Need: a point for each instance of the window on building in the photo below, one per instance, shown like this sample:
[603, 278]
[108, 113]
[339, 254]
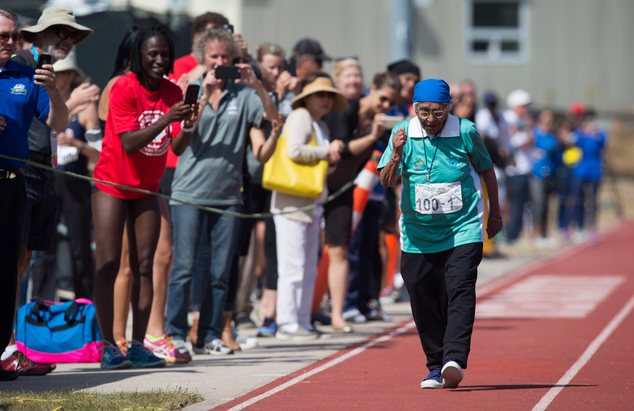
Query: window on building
[496, 30]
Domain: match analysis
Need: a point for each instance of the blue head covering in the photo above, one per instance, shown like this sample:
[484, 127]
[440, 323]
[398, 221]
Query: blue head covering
[432, 90]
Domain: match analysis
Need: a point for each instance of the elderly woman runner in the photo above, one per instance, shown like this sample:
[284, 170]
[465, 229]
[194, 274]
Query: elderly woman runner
[441, 160]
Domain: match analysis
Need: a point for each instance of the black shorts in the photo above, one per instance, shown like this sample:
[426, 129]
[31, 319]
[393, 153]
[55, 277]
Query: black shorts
[40, 212]
[338, 218]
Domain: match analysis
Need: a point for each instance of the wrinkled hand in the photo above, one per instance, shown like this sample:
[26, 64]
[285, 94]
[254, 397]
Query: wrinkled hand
[398, 140]
[494, 226]
[3, 124]
[335, 148]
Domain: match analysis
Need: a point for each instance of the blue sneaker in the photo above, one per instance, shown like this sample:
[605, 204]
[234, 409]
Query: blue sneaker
[433, 380]
[112, 358]
[268, 329]
[142, 357]
[452, 373]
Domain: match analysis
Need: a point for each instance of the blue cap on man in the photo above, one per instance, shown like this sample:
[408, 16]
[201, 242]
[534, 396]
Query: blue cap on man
[432, 90]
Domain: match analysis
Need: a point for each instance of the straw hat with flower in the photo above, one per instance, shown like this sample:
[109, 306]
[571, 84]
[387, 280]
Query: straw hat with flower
[321, 84]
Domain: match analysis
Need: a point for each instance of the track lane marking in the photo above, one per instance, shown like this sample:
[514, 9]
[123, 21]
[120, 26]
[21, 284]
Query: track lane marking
[323, 367]
[482, 291]
[594, 346]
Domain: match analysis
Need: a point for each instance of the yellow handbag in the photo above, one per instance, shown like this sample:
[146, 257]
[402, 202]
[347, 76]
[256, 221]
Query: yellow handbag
[289, 177]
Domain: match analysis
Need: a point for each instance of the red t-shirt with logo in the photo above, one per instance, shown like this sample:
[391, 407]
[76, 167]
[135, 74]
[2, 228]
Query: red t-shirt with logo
[133, 107]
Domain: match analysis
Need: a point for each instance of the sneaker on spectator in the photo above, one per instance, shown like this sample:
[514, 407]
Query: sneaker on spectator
[213, 347]
[112, 358]
[268, 328]
[301, 334]
[28, 367]
[172, 351]
[355, 316]
[452, 373]
[246, 342]
[433, 380]
[142, 357]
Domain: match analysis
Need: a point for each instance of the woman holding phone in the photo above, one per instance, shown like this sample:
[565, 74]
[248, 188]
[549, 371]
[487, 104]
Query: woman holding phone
[209, 173]
[145, 115]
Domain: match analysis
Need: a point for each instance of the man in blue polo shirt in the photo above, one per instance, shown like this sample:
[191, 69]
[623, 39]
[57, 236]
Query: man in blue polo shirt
[441, 160]
[25, 93]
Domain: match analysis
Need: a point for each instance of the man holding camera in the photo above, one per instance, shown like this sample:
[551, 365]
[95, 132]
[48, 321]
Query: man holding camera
[28, 95]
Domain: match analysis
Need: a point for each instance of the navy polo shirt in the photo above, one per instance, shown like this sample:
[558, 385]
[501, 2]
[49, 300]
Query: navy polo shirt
[20, 100]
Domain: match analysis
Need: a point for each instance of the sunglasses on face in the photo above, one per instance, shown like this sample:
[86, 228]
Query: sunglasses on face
[63, 33]
[5, 36]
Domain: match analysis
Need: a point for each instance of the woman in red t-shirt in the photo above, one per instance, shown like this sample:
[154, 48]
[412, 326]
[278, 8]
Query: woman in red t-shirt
[145, 115]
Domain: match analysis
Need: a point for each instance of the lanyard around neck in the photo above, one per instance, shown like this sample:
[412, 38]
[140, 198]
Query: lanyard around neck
[430, 165]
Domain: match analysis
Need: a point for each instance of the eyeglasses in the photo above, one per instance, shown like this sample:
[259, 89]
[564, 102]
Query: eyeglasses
[438, 114]
[5, 36]
[63, 33]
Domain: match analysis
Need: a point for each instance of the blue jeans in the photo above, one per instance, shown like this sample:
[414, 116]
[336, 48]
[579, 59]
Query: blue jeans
[192, 230]
[518, 191]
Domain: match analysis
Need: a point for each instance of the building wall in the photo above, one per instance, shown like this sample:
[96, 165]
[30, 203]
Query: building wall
[344, 28]
[578, 50]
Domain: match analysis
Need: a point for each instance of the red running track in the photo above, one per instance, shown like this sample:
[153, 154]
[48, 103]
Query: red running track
[570, 350]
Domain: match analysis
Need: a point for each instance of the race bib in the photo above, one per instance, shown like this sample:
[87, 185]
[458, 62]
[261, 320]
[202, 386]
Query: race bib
[438, 198]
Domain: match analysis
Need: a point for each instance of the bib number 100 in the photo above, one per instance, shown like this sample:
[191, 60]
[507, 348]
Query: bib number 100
[442, 198]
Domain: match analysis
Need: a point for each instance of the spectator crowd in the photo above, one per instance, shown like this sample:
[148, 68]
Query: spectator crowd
[192, 264]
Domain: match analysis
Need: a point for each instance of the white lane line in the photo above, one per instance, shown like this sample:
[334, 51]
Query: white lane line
[585, 357]
[323, 367]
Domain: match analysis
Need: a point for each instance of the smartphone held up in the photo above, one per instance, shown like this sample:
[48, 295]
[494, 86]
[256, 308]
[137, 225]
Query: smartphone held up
[44, 59]
[191, 94]
[227, 72]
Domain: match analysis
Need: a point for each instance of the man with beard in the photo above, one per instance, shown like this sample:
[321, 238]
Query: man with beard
[27, 95]
[55, 34]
